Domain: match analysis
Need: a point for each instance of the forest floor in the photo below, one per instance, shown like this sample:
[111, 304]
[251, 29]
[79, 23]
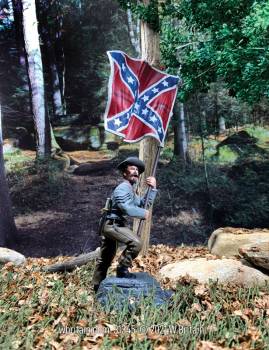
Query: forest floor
[59, 216]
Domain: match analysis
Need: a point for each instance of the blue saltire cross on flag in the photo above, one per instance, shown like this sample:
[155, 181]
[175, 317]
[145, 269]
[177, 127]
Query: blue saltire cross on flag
[140, 99]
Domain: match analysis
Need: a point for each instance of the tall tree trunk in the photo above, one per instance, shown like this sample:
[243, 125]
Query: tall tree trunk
[134, 32]
[222, 127]
[44, 13]
[58, 106]
[17, 12]
[150, 51]
[7, 225]
[35, 72]
[60, 52]
[180, 139]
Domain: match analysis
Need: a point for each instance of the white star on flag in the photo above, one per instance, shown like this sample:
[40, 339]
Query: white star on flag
[145, 98]
[136, 106]
[117, 122]
[153, 119]
[130, 80]
[123, 67]
[159, 129]
[165, 83]
[145, 111]
[155, 90]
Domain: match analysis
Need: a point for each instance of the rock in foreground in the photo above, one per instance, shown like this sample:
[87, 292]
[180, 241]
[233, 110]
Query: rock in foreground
[9, 255]
[256, 254]
[226, 241]
[222, 270]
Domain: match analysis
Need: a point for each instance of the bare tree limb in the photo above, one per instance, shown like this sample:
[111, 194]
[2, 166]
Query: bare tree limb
[71, 264]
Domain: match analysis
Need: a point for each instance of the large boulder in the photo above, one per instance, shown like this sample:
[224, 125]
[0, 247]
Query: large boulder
[221, 270]
[20, 137]
[67, 120]
[257, 254]
[72, 138]
[9, 255]
[226, 241]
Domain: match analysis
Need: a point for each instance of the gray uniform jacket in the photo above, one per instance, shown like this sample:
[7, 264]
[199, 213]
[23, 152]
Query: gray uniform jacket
[126, 202]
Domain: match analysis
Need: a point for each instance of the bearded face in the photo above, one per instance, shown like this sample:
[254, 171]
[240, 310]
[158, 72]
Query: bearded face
[131, 174]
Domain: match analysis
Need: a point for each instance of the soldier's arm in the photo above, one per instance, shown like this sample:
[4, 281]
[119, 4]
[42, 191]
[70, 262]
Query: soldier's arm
[151, 182]
[152, 195]
[123, 197]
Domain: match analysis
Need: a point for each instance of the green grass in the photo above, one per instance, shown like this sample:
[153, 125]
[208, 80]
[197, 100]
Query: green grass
[16, 161]
[261, 133]
[228, 154]
[35, 307]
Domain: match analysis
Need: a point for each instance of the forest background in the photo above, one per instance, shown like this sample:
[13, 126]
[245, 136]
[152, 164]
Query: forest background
[215, 162]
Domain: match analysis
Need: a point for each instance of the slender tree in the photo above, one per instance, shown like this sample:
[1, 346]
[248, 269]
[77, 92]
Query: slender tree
[147, 11]
[150, 52]
[60, 55]
[134, 31]
[7, 224]
[180, 136]
[35, 72]
[44, 10]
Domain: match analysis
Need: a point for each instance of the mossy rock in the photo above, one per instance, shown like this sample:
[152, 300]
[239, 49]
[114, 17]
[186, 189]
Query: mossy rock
[238, 146]
[73, 138]
[226, 154]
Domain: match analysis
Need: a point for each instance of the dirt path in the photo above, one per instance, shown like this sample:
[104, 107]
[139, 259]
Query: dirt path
[68, 225]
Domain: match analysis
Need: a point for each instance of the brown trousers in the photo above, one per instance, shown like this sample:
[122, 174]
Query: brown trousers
[112, 234]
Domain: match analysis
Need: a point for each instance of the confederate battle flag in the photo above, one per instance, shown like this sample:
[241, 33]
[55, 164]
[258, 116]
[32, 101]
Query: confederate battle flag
[140, 99]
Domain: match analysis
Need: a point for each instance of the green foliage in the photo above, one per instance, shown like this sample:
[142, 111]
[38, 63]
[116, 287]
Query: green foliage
[261, 134]
[167, 153]
[238, 173]
[239, 192]
[226, 155]
[16, 161]
[225, 39]
[148, 13]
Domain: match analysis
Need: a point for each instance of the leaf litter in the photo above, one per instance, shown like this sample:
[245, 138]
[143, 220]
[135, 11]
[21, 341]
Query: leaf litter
[59, 311]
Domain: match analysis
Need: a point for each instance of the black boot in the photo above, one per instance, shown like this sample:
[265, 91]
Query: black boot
[122, 272]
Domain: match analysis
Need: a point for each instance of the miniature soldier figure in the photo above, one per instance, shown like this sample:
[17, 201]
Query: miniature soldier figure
[124, 202]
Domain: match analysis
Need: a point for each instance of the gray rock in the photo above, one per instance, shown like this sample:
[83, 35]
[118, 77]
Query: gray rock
[257, 254]
[221, 270]
[115, 293]
[71, 138]
[66, 120]
[226, 241]
[9, 255]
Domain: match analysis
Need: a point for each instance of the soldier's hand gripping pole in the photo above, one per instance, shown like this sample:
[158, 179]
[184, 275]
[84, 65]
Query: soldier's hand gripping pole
[153, 173]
